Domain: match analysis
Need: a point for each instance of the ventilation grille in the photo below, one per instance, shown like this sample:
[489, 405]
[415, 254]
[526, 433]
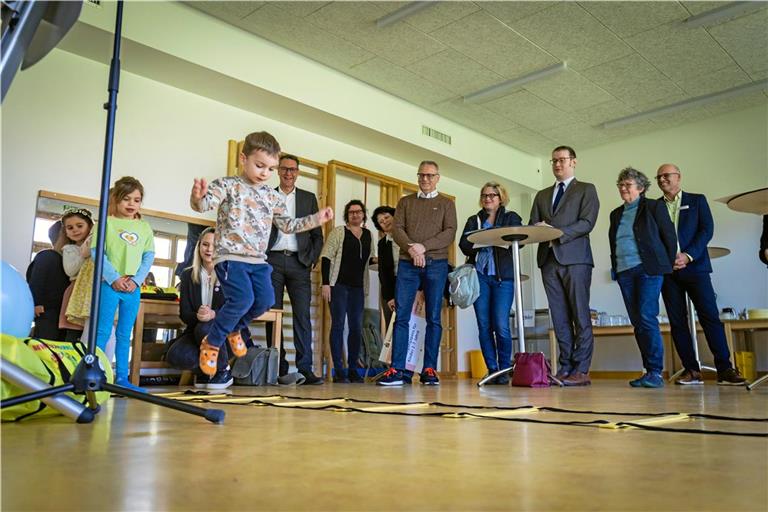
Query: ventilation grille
[431, 132]
[93, 3]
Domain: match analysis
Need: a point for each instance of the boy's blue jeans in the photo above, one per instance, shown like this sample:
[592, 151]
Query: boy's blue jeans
[128, 302]
[248, 293]
[431, 279]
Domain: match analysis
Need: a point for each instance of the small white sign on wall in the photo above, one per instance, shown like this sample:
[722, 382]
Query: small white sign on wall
[529, 318]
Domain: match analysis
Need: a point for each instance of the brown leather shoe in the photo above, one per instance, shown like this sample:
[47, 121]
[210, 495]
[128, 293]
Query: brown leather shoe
[690, 377]
[562, 375]
[577, 379]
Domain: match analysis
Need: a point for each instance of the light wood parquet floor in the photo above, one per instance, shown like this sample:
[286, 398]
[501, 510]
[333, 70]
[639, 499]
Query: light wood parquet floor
[136, 456]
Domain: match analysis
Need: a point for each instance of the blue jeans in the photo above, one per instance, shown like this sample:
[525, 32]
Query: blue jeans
[431, 279]
[492, 312]
[347, 302]
[641, 297]
[248, 294]
[128, 302]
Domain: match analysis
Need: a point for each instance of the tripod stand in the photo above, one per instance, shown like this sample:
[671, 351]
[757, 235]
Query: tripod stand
[89, 377]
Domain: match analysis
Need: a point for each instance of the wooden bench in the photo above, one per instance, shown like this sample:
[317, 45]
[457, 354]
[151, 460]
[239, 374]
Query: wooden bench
[164, 314]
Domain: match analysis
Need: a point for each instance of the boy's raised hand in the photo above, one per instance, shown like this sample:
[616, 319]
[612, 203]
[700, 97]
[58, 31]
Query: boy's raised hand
[325, 214]
[199, 189]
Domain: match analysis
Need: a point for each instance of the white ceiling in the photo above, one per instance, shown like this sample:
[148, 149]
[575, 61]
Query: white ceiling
[623, 58]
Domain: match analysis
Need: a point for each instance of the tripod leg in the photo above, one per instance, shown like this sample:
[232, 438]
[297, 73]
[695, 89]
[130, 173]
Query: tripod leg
[212, 415]
[493, 375]
[756, 383]
[41, 391]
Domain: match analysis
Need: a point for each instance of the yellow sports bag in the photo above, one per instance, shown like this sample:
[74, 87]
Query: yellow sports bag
[50, 361]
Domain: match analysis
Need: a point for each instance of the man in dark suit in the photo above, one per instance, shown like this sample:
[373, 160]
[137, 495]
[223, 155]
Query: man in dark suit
[292, 258]
[693, 221]
[566, 263]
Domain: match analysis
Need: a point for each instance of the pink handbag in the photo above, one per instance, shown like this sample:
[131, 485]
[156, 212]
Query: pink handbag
[531, 370]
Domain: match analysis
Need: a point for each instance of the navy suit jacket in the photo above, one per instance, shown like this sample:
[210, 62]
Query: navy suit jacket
[310, 243]
[695, 228]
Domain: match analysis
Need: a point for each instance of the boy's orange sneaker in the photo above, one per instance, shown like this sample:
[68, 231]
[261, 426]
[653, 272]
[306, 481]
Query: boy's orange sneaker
[237, 344]
[209, 356]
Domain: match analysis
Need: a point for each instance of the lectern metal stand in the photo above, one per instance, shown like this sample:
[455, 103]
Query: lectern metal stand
[514, 236]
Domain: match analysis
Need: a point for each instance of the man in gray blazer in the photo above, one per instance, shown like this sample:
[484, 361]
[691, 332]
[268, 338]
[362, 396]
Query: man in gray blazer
[292, 257]
[566, 263]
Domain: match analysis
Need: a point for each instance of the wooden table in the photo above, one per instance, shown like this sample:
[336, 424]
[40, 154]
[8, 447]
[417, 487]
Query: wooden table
[164, 314]
[743, 326]
[620, 330]
[731, 327]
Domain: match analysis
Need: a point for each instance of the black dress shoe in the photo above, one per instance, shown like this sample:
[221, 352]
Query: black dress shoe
[354, 376]
[310, 379]
[502, 380]
[340, 379]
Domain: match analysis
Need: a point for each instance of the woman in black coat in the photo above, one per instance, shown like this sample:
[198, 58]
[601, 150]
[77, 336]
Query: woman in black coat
[643, 248]
[383, 220]
[200, 297]
[495, 274]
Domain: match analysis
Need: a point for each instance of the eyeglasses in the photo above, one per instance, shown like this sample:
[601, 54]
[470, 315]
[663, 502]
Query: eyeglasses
[666, 175]
[288, 169]
[488, 196]
[625, 184]
[560, 160]
[426, 176]
[354, 212]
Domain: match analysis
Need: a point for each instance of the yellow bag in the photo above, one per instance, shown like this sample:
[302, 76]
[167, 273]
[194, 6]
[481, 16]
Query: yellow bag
[79, 306]
[50, 361]
[745, 362]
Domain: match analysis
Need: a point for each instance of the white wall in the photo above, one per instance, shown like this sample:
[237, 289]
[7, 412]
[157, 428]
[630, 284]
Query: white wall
[53, 132]
[53, 135]
[719, 156]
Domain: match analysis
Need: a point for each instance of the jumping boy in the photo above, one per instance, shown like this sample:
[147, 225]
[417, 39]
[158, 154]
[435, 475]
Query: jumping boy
[247, 208]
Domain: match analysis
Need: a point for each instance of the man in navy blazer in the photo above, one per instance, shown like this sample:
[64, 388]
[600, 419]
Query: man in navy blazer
[693, 221]
[292, 257]
[566, 263]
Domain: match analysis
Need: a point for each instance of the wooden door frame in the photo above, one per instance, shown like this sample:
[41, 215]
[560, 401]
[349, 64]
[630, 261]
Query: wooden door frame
[392, 189]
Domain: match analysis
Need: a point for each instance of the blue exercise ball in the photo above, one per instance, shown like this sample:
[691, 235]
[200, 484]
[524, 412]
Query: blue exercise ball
[17, 309]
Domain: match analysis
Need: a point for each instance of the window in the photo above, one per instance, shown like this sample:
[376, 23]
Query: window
[169, 250]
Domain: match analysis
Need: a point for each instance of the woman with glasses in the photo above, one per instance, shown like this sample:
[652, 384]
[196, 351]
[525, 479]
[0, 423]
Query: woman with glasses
[344, 260]
[495, 273]
[643, 247]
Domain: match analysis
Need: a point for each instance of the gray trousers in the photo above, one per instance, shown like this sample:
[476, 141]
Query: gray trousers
[567, 288]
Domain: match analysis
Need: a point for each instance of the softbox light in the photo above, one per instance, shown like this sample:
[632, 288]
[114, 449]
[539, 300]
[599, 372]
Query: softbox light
[31, 29]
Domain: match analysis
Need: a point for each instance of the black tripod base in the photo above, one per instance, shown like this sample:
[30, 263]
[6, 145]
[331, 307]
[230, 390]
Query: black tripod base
[87, 379]
[212, 415]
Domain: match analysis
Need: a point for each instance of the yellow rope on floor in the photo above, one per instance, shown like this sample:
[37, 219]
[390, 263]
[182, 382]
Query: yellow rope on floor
[646, 421]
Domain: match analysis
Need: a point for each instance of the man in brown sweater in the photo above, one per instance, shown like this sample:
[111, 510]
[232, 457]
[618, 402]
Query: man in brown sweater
[425, 227]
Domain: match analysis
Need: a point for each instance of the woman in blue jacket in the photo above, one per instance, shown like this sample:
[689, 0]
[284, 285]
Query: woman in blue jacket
[643, 248]
[495, 273]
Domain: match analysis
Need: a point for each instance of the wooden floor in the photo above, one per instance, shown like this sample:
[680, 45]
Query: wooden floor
[140, 457]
